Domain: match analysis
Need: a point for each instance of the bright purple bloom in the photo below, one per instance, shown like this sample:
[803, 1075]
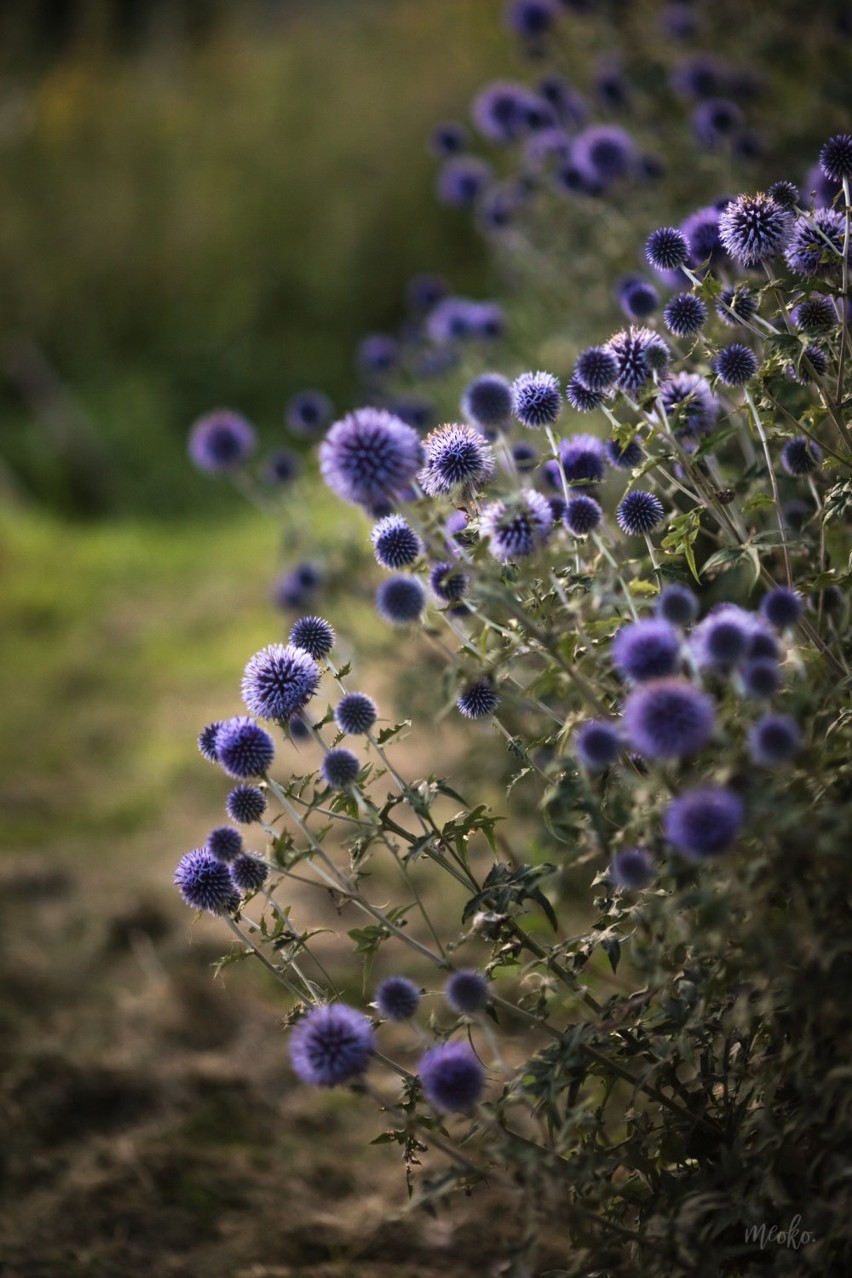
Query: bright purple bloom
[204, 882]
[722, 639]
[800, 456]
[313, 635]
[647, 649]
[448, 582]
[340, 768]
[221, 441]
[355, 713]
[835, 157]
[689, 404]
[814, 316]
[632, 869]
[583, 461]
[816, 244]
[668, 719]
[536, 399]
[243, 748]
[518, 526]
[640, 352]
[638, 299]
[400, 600]
[701, 232]
[735, 365]
[753, 228]
[245, 804]
[466, 991]
[458, 459]
[638, 512]
[397, 998]
[582, 515]
[596, 368]
[452, 1077]
[370, 456]
[224, 843]
[207, 741]
[666, 248]
[330, 1045]
[581, 398]
[736, 305]
[704, 822]
[781, 607]
[248, 872]
[279, 681]
[479, 700]
[395, 543]
[624, 456]
[684, 314]
[597, 744]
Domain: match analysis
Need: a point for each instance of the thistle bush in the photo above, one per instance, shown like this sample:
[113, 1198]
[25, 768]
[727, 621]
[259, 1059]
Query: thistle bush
[628, 1003]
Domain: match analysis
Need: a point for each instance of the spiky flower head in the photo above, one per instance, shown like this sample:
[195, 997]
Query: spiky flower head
[632, 869]
[689, 404]
[677, 604]
[646, 649]
[331, 1045]
[466, 991]
[249, 872]
[536, 399]
[355, 713]
[400, 601]
[395, 543]
[704, 822]
[684, 314]
[640, 352]
[666, 248]
[207, 741]
[245, 804]
[581, 398]
[816, 244]
[243, 748]
[314, 635]
[811, 363]
[774, 740]
[370, 456]
[784, 193]
[735, 365]
[478, 700]
[448, 582]
[308, 412]
[487, 401]
[753, 228]
[279, 681]
[722, 639]
[517, 526]
[668, 719]
[596, 368]
[582, 459]
[340, 768]
[736, 305]
[701, 232]
[835, 157]
[800, 456]
[397, 998]
[814, 316]
[459, 459]
[597, 744]
[452, 1077]
[224, 843]
[205, 883]
[582, 515]
[624, 456]
[782, 607]
[639, 512]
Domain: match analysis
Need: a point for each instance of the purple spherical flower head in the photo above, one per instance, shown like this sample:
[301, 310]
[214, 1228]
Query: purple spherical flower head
[701, 232]
[638, 299]
[355, 713]
[814, 316]
[296, 586]
[224, 843]
[448, 138]
[597, 744]
[640, 352]
[279, 681]
[531, 19]
[800, 456]
[400, 601]
[703, 822]
[632, 868]
[784, 193]
[735, 365]
[370, 456]
[280, 466]
[377, 353]
[688, 399]
[677, 604]
[340, 768]
[624, 456]
[248, 872]
[684, 314]
[666, 248]
[518, 526]
[452, 1077]
[308, 411]
[668, 719]
[835, 157]
[638, 512]
[479, 700]
[753, 228]
[331, 1045]
[221, 441]
[245, 804]
[313, 635]
[397, 998]
[582, 515]
[207, 741]
[604, 151]
[596, 368]
[536, 399]
[461, 181]
[774, 740]
[487, 400]
[715, 121]
[583, 461]
[647, 649]
[722, 639]
[760, 677]
[243, 748]
[458, 459]
[736, 305]
[466, 991]
[205, 883]
[497, 110]
[581, 398]
[781, 607]
[816, 244]
[448, 582]
[395, 543]
[811, 363]
[699, 76]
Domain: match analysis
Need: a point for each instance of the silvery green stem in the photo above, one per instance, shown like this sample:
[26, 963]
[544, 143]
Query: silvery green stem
[774, 484]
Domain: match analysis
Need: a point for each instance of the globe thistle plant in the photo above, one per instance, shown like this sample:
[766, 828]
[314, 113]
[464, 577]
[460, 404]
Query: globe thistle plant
[397, 998]
[221, 441]
[458, 459]
[279, 681]
[370, 456]
[518, 526]
[355, 713]
[452, 1077]
[536, 399]
[331, 1044]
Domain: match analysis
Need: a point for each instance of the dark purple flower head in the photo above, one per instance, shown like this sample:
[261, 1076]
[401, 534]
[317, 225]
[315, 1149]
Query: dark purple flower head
[816, 244]
[479, 700]
[583, 461]
[677, 604]
[597, 744]
[753, 228]
[355, 713]
[458, 459]
[782, 607]
[497, 111]
[248, 872]
[723, 638]
[205, 883]
[340, 768]
[569, 105]
[735, 365]
[308, 412]
[487, 400]
[811, 363]
[699, 76]
[736, 305]
[689, 404]
[313, 635]
[395, 543]
[684, 314]
[632, 868]
[638, 299]
[581, 398]
[448, 138]
[224, 843]
[760, 677]
[668, 719]
[370, 456]
[815, 316]
[400, 601]
[784, 193]
[377, 353]
[596, 368]
[461, 180]
[612, 88]
[221, 441]
[666, 249]
[638, 512]
[640, 352]
[279, 681]
[397, 998]
[536, 399]
[835, 158]
[800, 456]
[452, 1077]
[280, 466]
[245, 804]
[207, 741]
[582, 515]
[647, 649]
[701, 232]
[294, 588]
[517, 526]
[715, 120]
[604, 151]
[331, 1045]
[624, 456]
[703, 822]
[448, 582]
[466, 991]
[243, 748]
[774, 740]
[531, 19]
